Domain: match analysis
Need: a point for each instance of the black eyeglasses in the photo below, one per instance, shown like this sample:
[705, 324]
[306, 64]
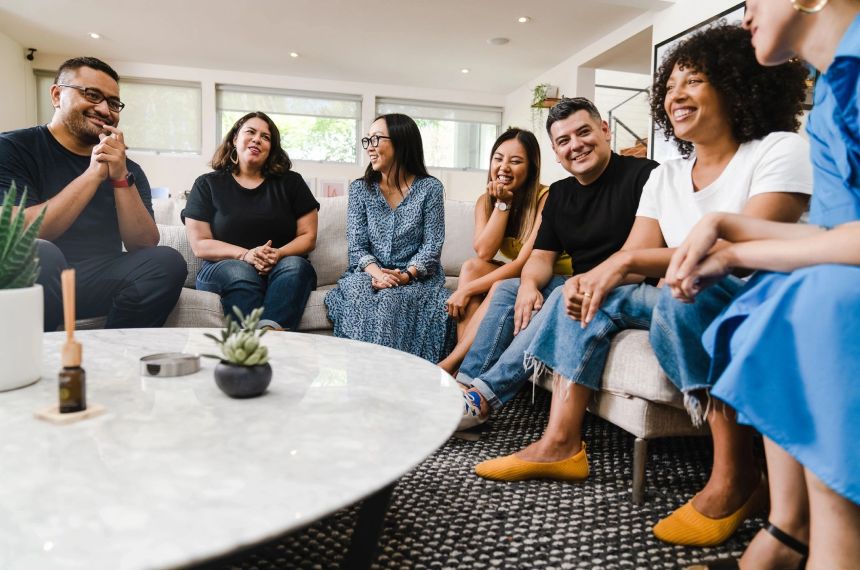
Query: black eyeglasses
[372, 141]
[95, 97]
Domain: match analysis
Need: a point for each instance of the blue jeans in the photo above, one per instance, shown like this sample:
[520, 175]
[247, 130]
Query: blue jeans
[676, 337]
[579, 354]
[283, 292]
[495, 350]
[134, 289]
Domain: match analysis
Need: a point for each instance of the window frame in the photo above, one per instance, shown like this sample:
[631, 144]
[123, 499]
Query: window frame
[465, 107]
[44, 73]
[317, 95]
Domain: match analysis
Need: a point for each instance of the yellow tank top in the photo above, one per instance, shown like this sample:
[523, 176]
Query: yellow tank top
[511, 247]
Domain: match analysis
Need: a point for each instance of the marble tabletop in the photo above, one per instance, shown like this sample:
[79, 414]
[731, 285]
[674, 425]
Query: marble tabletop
[175, 472]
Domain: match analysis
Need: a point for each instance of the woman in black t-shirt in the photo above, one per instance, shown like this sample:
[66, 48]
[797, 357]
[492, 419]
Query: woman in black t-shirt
[253, 221]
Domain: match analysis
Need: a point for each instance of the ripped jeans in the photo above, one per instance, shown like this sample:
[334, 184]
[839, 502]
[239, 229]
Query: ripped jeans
[579, 354]
[676, 337]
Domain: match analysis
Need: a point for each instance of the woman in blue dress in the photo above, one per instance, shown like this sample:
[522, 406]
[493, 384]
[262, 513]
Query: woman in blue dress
[393, 292]
[786, 352]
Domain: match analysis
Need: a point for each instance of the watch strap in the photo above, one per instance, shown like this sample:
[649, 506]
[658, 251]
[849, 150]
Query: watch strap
[126, 182]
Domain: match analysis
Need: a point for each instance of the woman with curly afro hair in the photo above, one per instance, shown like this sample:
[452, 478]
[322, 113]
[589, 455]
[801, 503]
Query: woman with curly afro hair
[734, 122]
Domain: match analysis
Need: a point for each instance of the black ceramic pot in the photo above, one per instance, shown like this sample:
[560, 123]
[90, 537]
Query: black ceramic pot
[242, 381]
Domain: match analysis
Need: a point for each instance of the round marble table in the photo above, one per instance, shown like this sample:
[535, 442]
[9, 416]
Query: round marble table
[174, 472]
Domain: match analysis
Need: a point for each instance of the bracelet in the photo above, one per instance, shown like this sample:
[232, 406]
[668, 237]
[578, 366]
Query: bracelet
[244, 255]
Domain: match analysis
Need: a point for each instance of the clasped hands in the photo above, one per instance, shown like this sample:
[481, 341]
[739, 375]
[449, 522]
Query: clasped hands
[696, 264]
[108, 156]
[263, 257]
[389, 278]
[584, 293]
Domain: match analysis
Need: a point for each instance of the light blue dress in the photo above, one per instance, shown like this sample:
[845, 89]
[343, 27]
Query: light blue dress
[412, 317]
[787, 350]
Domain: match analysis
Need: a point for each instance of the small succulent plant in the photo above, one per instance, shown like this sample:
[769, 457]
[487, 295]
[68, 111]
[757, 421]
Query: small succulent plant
[240, 340]
[19, 265]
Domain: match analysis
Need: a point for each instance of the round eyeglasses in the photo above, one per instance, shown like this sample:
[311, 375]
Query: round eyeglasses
[95, 97]
[372, 141]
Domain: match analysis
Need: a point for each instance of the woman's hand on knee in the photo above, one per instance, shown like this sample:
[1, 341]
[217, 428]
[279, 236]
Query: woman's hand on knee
[456, 304]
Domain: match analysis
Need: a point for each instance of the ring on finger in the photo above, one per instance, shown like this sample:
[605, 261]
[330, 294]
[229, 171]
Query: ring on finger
[587, 295]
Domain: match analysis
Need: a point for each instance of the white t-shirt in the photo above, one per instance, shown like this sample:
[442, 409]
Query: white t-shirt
[777, 163]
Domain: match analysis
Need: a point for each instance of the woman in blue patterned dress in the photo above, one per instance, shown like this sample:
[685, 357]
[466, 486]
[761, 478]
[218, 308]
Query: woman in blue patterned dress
[786, 352]
[393, 292]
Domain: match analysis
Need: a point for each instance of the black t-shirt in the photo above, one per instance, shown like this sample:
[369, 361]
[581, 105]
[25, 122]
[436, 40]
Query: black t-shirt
[34, 159]
[592, 222]
[250, 217]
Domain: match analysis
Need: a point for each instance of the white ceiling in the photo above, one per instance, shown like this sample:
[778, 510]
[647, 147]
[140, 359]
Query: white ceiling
[406, 42]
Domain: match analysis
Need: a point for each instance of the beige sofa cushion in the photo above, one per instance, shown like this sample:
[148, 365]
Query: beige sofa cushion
[633, 370]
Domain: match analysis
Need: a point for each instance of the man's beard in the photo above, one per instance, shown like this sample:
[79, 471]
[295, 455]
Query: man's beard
[82, 129]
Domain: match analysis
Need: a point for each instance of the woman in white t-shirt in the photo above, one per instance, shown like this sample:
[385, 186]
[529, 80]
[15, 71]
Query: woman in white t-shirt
[732, 121]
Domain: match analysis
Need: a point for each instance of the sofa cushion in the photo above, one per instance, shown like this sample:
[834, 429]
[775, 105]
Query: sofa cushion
[196, 309]
[329, 258]
[174, 236]
[633, 370]
[459, 230]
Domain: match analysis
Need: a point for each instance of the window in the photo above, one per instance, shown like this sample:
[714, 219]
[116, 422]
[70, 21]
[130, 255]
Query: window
[319, 127]
[158, 116]
[454, 136]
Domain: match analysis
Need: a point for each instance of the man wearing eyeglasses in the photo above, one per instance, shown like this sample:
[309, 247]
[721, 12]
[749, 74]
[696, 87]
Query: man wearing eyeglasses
[97, 201]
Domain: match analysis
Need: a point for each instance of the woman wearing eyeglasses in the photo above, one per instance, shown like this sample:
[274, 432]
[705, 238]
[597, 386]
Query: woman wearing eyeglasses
[507, 217]
[393, 292]
[253, 222]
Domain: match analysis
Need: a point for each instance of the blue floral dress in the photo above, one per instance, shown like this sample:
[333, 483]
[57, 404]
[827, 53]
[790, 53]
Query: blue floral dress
[412, 317]
[787, 350]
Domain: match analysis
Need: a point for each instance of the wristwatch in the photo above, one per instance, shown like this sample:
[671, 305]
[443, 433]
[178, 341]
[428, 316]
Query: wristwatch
[126, 182]
[408, 275]
[502, 206]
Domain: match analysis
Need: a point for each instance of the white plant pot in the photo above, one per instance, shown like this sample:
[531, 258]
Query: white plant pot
[22, 313]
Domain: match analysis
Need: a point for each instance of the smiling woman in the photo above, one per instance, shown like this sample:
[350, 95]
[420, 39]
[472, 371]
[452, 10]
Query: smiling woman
[253, 222]
[393, 292]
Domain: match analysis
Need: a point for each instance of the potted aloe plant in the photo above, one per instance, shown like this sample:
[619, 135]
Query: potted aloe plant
[243, 370]
[21, 301]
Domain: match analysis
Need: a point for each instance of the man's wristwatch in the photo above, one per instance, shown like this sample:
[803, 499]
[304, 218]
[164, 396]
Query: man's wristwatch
[126, 182]
[502, 206]
[408, 276]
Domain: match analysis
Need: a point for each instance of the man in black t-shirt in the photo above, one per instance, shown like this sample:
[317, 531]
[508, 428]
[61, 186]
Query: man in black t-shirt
[587, 215]
[97, 200]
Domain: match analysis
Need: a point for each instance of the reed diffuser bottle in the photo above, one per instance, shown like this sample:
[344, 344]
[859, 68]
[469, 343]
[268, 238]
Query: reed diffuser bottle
[73, 378]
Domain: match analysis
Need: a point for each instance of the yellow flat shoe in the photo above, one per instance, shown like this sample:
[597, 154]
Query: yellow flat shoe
[512, 468]
[689, 527]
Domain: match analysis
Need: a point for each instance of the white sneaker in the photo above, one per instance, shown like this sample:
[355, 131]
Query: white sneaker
[471, 411]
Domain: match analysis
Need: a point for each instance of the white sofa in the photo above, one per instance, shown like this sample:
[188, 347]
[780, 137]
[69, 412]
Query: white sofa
[636, 395]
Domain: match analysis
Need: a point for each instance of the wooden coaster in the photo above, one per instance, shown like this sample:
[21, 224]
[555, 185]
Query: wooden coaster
[52, 414]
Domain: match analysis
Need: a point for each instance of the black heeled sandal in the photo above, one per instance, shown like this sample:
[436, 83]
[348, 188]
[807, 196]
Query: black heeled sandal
[777, 533]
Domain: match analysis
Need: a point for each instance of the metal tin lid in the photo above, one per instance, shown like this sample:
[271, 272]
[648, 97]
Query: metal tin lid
[169, 364]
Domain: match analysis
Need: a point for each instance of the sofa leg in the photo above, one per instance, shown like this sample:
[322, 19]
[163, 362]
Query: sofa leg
[640, 456]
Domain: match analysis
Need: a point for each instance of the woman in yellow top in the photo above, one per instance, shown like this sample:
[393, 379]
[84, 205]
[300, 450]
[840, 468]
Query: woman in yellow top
[507, 217]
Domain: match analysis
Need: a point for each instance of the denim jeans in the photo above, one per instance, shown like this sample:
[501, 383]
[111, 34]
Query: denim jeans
[676, 337]
[134, 289]
[283, 292]
[579, 354]
[496, 352]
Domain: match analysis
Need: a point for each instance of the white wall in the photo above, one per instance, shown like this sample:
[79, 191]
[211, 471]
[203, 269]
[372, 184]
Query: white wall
[17, 106]
[576, 80]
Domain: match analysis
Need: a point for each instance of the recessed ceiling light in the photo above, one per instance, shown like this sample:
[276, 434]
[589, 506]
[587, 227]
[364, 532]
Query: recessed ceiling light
[498, 41]
[95, 36]
[294, 54]
[465, 70]
[523, 19]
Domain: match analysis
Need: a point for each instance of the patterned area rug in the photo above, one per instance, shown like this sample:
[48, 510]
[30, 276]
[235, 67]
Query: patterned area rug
[443, 516]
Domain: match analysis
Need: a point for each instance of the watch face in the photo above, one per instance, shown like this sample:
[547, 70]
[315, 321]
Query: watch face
[501, 206]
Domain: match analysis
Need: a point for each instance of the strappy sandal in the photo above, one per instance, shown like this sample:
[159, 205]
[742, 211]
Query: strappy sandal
[777, 533]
